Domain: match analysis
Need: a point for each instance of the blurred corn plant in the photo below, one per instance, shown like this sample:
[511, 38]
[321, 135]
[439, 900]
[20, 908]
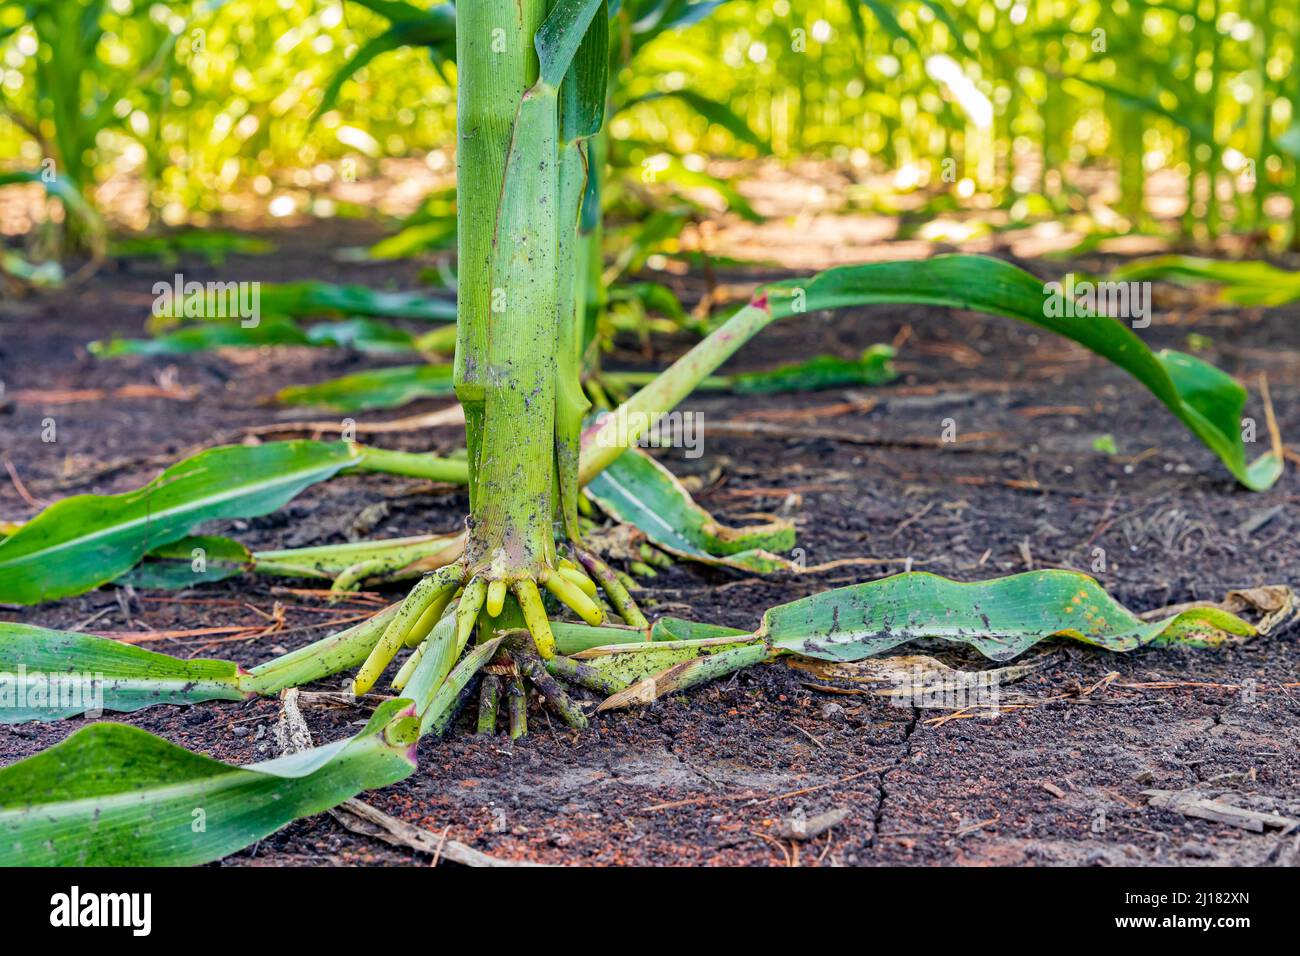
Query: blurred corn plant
[79, 67]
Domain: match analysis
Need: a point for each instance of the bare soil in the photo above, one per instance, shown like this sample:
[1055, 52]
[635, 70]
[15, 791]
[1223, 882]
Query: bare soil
[709, 776]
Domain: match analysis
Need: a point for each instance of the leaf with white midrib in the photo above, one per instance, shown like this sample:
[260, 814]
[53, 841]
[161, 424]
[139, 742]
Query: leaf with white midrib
[87, 540]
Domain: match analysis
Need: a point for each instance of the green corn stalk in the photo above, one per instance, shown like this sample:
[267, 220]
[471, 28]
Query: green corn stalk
[517, 329]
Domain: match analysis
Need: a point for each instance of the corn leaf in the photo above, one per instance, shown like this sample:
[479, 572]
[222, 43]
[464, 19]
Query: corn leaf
[712, 110]
[113, 795]
[1242, 283]
[194, 559]
[639, 491]
[875, 367]
[364, 335]
[84, 541]
[1001, 618]
[1209, 402]
[50, 675]
[213, 244]
[436, 30]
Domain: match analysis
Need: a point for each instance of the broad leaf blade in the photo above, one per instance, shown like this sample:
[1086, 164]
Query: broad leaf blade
[1242, 283]
[376, 388]
[49, 675]
[1001, 618]
[1182, 383]
[195, 559]
[113, 795]
[84, 541]
[639, 491]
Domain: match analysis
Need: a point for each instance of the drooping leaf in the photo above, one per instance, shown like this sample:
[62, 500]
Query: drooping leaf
[1209, 402]
[654, 18]
[375, 388]
[436, 31]
[885, 17]
[113, 795]
[639, 491]
[84, 541]
[49, 675]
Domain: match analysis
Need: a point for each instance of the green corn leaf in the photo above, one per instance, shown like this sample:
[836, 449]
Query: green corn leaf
[436, 30]
[560, 36]
[194, 559]
[113, 795]
[1209, 402]
[652, 296]
[586, 86]
[656, 17]
[396, 11]
[309, 298]
[214, 245]
[205, 338]
[416, 239]
[84, 541]
[715, 112]
[1242, 283]
[1001, 618]
[49, 675]
[364, 335]
[639, 491]
[885, 17]
[875, 367]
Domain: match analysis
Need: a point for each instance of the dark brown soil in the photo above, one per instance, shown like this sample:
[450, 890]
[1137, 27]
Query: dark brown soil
[709, 776]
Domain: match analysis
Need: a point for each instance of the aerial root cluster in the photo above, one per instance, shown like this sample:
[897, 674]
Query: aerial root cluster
[476, 600]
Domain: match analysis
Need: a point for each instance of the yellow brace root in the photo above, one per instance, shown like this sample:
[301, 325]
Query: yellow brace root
[576, 598]
[530, 602]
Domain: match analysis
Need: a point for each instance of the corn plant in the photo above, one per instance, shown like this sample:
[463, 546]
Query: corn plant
[531, 98]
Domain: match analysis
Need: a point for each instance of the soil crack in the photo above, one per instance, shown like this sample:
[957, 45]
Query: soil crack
[882, 790]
